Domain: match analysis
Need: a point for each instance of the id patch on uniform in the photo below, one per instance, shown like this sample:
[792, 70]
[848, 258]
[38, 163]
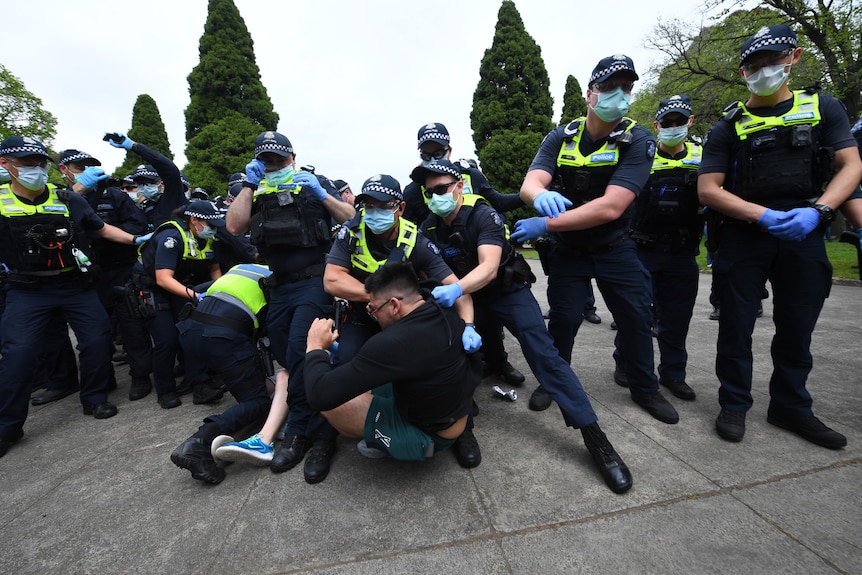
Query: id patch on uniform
[170, 243]
[433, 247]
[650, 149]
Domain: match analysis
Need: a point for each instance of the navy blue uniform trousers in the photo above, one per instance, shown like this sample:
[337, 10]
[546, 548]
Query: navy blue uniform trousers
[625, 286]
[801, 278]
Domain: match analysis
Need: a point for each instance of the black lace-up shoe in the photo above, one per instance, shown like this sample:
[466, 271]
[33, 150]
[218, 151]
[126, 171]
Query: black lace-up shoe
[194, 454]
[615, 473]
[319, 460]
[467, 450]
[730, 425]
[810, 428]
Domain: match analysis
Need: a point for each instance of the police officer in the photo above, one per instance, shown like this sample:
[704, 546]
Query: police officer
[288, 213]
[434, 144]
[599, 163]
[376, 235]
[767, 170]
[667, 228]
[45, 266]
[114, 260]
[472, 238]
[159, 181]
[221, 334]
[180, 256]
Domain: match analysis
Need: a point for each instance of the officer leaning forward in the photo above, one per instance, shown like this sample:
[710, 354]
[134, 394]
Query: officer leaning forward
[777, 166]
[43, 257]
[288, 214]
[599, 163]
[472, 238]
[667, 227]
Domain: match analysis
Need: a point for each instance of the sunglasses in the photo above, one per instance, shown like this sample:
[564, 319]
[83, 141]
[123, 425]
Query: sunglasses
[759, 63]
[438, 155]
[611, 85]
[673, 122]
[439, 190]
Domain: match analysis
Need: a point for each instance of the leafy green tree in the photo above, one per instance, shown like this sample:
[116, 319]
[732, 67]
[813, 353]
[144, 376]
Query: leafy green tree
[219, 150]
[227, 79]
[21, 112]
[512, 104]
[574, 103]
[148, 129]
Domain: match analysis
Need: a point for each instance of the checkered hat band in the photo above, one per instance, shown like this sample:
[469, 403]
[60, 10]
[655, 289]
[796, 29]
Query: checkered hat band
[441, 169]
[273, 147]
[433, 136]
[673, 106]
[203, 216]
[760, 44]
[23, 149]
[609, 70]
[146, 174]
[378, 187]
[77, 158]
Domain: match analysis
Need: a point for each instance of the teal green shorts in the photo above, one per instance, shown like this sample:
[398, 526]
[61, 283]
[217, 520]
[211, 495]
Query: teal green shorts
[385, 429]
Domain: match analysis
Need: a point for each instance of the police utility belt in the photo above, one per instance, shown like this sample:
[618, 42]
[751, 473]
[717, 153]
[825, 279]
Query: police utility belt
[663, 241]
[312, 271]
[245, 327]
[36, 280]
[566, 250]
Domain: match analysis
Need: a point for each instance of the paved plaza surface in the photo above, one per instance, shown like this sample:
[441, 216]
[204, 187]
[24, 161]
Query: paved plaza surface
[79, 495]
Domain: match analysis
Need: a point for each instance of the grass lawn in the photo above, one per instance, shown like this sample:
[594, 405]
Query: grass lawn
[842, 256]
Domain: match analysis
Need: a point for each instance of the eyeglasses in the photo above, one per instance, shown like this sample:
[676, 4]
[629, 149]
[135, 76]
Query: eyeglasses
[673, 122]
[611, 85]
[29, 162]
[436, 155]
[438, 190]
[755, 65]
[372, 309]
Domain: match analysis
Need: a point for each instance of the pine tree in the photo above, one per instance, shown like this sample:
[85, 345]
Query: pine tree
[513, 91]
[227, 78]
[227, 98]
[574, 103]
[512, 105]
[148, 129]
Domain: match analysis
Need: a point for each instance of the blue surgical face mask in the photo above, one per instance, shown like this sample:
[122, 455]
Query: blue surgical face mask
[208, 233]
[33, 178]
[279, 177]
[442, 204]
[672, 136]
[613, 105]
[149, 191]
[379, 220]
[133, 196]
[4, 176]
[767, 80]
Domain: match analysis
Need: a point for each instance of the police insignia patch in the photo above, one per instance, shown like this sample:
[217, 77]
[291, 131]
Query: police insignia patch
[433, 247]
[170, 243]
[497, 219]
[342, 232]
[650, 150]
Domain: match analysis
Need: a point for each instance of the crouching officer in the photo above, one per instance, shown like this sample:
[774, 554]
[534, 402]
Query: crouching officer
[667, 227]
[48, 274]
[472, 238]
[221, 335]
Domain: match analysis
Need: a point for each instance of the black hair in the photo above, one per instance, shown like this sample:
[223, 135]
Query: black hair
[393, 278]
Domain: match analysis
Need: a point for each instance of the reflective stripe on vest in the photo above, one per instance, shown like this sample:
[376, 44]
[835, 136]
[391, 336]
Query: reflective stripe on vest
[361, 258]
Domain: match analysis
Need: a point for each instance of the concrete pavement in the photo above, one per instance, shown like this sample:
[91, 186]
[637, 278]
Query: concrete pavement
[79, 495]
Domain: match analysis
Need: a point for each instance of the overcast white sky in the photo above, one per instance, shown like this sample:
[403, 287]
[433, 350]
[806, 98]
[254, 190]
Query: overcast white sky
[352, 81]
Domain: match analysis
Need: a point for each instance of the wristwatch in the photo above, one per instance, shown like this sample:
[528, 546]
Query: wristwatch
[827, 214]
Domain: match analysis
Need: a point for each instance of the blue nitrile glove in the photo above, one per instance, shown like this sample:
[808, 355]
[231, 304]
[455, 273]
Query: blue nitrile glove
[91, 176]
[254, 172]
[799, 223]
[471, 339]
[201, 296]
[771, 217]
[529, 229]
[119, 140]
[309, 182]
[446, 295]
[551, 204]
[141, 239]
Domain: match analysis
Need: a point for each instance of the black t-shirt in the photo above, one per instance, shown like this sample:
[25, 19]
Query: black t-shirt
[421, 355]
